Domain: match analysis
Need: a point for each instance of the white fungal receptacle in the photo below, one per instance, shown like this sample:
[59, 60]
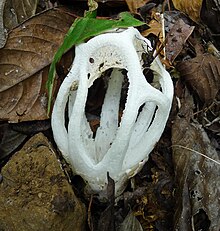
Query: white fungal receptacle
[118, 148]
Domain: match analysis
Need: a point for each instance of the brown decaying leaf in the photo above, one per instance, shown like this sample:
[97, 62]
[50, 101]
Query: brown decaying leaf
[176, 39]
[2, 29]
[107, 218]
[191, 8]
[31, 127]
[24, 65]
[133, 5]
[16, 102]
[210, 15]
[202, 74]
[155, 27]
[9, 140]
[197, 178]
[15, 12]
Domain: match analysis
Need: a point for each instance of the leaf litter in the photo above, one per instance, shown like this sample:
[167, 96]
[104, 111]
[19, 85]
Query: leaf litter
[24, 65]
[202, 74]
[3, 33]
[197, 176]
[16, 12]
[177, 37]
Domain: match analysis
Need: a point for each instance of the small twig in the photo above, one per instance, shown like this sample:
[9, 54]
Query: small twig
[204, 110]
[89, 214]
[163, 33]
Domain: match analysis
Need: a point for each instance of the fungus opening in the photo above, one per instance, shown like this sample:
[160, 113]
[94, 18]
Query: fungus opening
[96, 95]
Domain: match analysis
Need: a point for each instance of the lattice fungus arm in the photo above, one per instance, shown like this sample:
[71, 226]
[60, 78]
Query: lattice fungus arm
[118, 148]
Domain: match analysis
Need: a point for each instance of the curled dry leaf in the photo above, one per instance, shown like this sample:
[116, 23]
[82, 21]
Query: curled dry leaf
[202, 74]
[24, 65]
[191, 8]
[197, 177]
[176, 39]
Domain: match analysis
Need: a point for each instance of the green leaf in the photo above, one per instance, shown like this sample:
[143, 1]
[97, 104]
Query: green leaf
[81, 30]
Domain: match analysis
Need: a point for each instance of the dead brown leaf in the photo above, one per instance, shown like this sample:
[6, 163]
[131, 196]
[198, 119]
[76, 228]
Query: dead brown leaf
[9, 140]
[191, 8]
[197, 177]
[107, 218]
[3, 33]
[155, 27]
[133, 5]
[24, 65]
[15, 12]
[210, 15]
[29, 99]
[202, 74]
[176, 39]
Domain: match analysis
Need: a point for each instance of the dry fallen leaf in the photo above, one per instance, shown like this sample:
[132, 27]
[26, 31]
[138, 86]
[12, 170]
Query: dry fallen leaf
[15, 12]
[210, 15]
[9, 140]
[24, 65]
[133, 5]
[155, 27]
[107, 218]
[197, 178]
[2, 29]
[191, 8]
[12, 13]
[202, 74]
[26, 100]
[176, 39]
